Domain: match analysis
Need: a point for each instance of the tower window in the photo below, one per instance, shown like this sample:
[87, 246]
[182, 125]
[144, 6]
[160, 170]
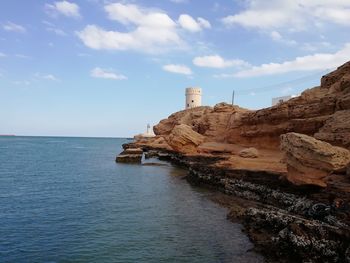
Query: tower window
[192, 101]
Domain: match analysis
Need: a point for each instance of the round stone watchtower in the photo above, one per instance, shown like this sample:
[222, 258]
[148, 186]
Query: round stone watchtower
[193, 98]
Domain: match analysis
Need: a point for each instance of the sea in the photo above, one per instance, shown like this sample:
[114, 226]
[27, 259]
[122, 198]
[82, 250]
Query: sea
[67, 200]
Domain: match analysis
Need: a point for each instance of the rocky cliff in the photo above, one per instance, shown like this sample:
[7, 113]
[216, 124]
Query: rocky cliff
[286, 167]
[321, 112]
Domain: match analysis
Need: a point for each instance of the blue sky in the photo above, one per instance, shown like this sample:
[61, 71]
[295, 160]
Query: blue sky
[107, 68]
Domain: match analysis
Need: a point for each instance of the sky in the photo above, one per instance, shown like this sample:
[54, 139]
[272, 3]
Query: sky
[107, 68]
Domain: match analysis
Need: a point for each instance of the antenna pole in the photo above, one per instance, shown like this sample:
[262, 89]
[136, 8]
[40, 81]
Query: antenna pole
[233, 97]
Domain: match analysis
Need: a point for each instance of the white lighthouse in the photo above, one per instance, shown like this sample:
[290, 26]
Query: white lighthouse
[193, 98]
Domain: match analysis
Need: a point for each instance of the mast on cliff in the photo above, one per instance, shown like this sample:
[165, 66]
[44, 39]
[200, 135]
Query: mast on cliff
[233, 97]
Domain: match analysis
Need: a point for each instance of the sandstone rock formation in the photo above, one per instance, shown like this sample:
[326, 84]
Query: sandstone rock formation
[183, 139]
[322, 111]
[249, 153]
[336, 129]
[310, 161]
[295, 223]
[209, 122]
[130, 155]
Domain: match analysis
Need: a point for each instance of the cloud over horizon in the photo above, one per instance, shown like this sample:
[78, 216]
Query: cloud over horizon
[317, 61]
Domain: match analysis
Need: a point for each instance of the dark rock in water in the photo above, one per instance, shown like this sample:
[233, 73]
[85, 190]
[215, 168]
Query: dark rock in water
[130, 155]
[155, 164]
[129, 158]
[295, 237]
[151, 154]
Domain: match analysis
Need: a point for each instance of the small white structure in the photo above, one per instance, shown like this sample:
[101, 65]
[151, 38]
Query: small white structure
[279, 100]
[148, 134]
[193, 97]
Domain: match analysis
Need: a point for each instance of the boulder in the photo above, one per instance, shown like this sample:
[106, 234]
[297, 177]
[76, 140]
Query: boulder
[183, 139]
[249, 153]
[310, 161]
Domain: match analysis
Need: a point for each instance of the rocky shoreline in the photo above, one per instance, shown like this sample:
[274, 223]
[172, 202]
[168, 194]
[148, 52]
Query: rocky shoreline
[284, 171]
[286, 223]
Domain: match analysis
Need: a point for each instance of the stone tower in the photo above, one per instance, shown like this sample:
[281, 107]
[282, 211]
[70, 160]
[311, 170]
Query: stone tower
[193, 98]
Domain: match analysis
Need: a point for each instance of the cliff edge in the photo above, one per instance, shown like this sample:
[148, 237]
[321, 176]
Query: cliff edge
[284, 170]
[322, 113]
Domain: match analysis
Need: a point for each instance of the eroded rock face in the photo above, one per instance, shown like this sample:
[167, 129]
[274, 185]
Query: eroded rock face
[336, 129]
[207, 121]
[249, 153]
[184, 139]
[322, 111]
[310, 161]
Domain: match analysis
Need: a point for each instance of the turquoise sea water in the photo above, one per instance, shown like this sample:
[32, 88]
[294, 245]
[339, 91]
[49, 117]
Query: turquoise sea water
[66, 200]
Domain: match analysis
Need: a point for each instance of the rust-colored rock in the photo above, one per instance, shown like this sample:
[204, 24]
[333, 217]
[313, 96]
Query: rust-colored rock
[310, 161]
[314, 112]
[183, 139]
[207, 121]
[249, 153]
[336, 129]
[322, 112]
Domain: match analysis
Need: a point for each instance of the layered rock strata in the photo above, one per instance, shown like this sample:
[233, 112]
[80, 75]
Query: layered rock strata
[323, 112]
[310, 161]
[130, 155]
[292, 193]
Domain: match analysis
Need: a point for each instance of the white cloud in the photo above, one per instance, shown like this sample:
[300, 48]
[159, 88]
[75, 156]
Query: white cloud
[46, 77]
[203, 22]
[276, 36]
[291, 14]
[106, 74]
[178, 69]
[9, 26]
[57, 31]
[318, 61]
[216, 61]
[2, 55]
[189, 23]
[312, 47]
[149, 30]
[63, 8]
